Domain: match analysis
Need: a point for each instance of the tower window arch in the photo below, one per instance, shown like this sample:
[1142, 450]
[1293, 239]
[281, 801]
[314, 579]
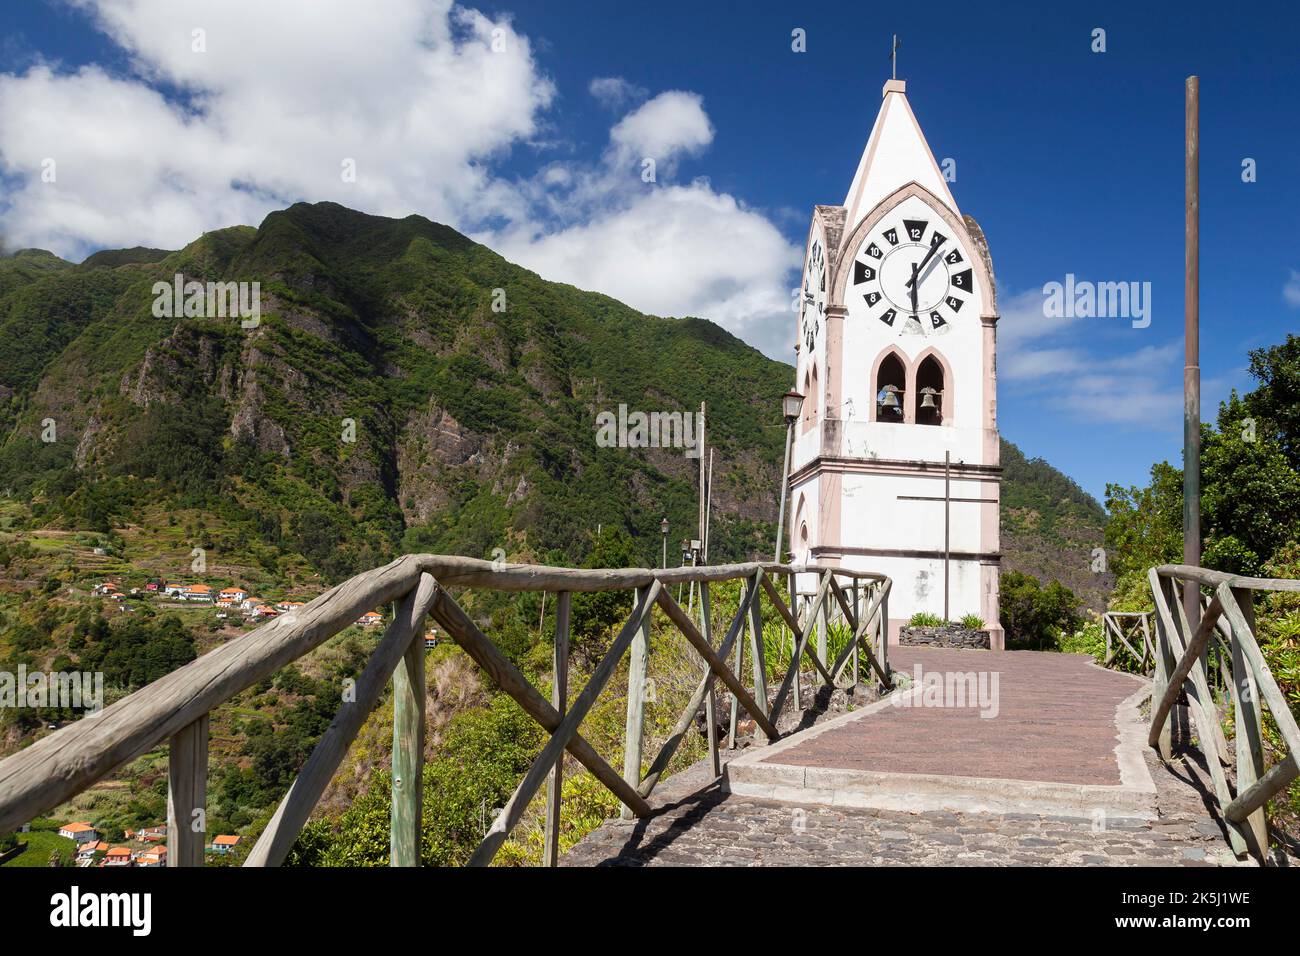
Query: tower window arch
[890, 385]
[930, 392]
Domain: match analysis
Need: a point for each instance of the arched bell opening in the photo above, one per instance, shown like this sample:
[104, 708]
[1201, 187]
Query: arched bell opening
[929, 392]
[891, 382]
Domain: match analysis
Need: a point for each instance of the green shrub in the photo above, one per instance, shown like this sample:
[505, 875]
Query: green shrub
[1089, 639]
[972, 622]
[925, 619]
[1034, 616]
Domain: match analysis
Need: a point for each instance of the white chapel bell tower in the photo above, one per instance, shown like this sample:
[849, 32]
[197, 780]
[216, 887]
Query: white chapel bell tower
[895, 464]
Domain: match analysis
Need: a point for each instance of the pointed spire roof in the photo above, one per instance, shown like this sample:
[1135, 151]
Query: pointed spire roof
[896, 154]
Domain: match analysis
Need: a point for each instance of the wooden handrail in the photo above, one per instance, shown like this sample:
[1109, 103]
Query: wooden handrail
[1213, 579]
[1180, 651]
[176, 707]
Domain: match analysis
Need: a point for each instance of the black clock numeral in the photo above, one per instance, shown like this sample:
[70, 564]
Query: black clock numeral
[873, 250]
[862, 273]
[891, 236]
[962, 280]
[888, 317]
[937, 237]
[872, 298]
[937, 320]
[954, 303]
[953, 258]
[915, 228]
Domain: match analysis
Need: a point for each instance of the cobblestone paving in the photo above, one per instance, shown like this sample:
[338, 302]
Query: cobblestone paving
[695, 824]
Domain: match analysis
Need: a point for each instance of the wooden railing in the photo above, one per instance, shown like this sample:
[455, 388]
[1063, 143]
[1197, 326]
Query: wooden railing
[1128, 628]
[1226, 613]
[176, 707]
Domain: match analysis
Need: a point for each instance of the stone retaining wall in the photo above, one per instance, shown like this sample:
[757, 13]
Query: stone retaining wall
[947, 635]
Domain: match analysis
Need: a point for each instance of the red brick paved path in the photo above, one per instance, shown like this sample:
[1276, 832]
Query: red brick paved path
[1055, 722]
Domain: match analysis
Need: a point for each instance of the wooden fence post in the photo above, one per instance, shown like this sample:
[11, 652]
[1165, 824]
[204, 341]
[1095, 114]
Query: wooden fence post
[882, 653]
[857, 610]
[187, 784]
[794, 644]
[756, 643]
[1249, 719]
[408, 754]
[739, 671]
[559, 700]
[822, 623]
[1160, 680]
[710, 701]
[636, 680]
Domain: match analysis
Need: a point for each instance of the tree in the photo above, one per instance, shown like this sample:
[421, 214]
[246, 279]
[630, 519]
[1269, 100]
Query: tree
[1034, 615]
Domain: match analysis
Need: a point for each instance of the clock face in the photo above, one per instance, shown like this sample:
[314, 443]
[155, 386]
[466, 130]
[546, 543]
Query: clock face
[913, 273]
[812, 310]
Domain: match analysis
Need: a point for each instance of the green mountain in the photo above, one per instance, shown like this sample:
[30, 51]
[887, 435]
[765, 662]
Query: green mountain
[1051, 526]
[405, 388]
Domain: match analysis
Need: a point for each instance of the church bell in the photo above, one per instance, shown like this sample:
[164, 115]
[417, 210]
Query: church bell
[927, 397]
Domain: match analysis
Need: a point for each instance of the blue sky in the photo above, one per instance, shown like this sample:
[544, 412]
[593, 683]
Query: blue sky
[1071, 160]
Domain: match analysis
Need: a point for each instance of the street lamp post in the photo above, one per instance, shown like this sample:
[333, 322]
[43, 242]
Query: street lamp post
[791, 405]
[663, 530]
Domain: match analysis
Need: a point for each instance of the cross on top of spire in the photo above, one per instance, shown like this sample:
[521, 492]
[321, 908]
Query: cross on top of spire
[893, 58]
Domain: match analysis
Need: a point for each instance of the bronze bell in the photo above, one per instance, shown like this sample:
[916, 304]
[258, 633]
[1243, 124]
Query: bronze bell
[927, 397]
[891, 397]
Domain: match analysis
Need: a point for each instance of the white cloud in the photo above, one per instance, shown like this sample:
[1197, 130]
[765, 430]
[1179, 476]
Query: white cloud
[425, 99]
[615, 93]
[417, 98]
[1057, 362]
[663, 247]
[668, 125]
[1291, 291]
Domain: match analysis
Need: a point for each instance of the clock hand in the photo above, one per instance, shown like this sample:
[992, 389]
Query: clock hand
[925, 275]
[914, 285]
[928, 256]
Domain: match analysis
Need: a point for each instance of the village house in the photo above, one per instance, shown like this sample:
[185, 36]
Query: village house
[153, 857]
[371, 619]
[289, 605]
[430, 640]
[117, 856]
[263, 612]
[80, 832]
[153, 834]
[198, 592]
[174, 590]
[232, 595]
[87, 851]
[107, 587]
[224, 843]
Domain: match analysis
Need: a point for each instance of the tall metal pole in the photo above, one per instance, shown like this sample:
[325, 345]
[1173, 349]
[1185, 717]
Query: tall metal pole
[785, 480]
[703, 442]
[1192, 344]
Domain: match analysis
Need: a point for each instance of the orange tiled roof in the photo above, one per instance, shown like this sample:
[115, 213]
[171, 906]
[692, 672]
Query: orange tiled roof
[77, 827]
[225, 840]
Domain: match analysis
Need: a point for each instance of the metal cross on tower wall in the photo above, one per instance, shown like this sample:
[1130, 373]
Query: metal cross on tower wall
[947, 500]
